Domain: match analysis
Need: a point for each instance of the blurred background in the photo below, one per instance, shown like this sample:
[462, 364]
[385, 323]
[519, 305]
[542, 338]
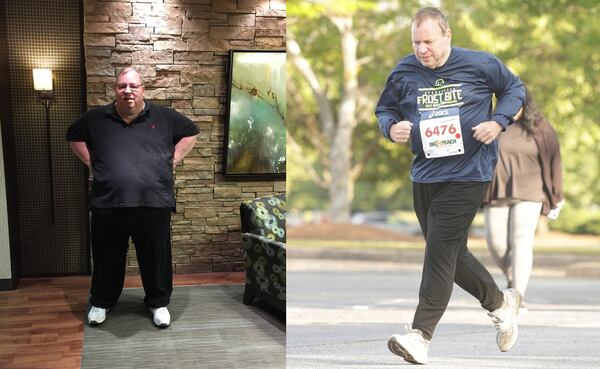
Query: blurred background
[355, 248]
[342, 171]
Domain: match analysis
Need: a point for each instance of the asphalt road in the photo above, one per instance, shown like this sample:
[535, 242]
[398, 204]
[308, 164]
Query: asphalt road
[341, 313]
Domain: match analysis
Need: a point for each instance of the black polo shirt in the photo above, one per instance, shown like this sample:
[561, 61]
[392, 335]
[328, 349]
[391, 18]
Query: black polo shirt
[132, 163]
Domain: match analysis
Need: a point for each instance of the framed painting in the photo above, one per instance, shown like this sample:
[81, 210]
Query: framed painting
[256, 113]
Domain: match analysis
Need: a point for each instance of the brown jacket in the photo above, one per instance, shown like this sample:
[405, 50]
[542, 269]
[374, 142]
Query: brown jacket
[547, 143]
[551, 165]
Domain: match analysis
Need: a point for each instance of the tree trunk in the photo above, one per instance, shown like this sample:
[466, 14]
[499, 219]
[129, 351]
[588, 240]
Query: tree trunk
[341, 191]
[338, 173]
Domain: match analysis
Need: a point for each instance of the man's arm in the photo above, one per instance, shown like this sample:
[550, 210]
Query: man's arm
[394, 108]
[81, 150]
[400, 132]
[182, 148]
[487, 132]
[508, 88]
[510, 92]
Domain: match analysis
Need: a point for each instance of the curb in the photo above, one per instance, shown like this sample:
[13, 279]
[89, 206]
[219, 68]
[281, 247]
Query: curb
[570, 265]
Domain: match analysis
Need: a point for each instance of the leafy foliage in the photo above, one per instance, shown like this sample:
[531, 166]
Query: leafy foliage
[554, 46]
[579, 221]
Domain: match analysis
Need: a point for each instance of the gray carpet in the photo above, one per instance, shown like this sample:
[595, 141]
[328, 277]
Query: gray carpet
[210, 328]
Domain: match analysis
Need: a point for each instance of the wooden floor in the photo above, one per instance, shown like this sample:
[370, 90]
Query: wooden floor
[41, 322]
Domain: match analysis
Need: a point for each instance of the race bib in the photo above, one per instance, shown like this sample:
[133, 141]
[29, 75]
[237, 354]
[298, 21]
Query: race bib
[440, 133]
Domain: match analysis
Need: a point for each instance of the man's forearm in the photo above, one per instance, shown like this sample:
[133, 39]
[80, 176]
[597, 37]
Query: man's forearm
[80, 149]
[182, 148]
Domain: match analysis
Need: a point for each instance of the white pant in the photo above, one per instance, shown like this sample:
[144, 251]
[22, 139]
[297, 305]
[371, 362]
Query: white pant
[510, 231]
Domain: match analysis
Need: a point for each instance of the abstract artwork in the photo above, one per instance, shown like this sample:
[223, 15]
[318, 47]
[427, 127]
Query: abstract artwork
[255, 134]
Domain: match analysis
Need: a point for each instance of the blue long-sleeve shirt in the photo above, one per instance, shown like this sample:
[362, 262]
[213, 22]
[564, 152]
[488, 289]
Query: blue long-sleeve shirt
[467, 82]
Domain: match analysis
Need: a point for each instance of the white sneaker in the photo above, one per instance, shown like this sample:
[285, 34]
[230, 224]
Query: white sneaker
[96, 316]
[412, 346]
[523, 308]
[505, 320]
[160, 316]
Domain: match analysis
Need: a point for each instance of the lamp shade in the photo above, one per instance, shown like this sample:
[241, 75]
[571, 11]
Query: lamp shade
[42, 79]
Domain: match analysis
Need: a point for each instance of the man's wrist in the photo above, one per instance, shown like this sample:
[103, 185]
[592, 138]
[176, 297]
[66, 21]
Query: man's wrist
[501, 120]
[502, 127]
[388, 126]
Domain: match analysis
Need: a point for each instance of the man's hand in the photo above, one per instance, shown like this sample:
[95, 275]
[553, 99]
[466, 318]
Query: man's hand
[400, 132]
[487, 132]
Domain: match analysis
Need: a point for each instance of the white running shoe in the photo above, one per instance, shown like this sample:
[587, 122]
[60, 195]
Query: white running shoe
[160, 316]
[505, 320]
[523, 308]
[412, 346]
[96, 316]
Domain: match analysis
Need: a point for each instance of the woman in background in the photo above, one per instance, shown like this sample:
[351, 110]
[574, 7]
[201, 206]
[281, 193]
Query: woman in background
[527, 182]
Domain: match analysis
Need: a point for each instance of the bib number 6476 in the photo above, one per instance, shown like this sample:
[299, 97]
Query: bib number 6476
[440, 130]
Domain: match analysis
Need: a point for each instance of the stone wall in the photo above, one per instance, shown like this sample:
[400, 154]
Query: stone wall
[182, 49]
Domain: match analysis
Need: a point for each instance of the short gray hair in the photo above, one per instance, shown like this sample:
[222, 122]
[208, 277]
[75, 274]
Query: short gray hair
[432, 13]
[130, 69]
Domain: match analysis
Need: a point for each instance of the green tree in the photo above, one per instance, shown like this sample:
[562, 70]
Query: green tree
[331, 92]
[554, 46]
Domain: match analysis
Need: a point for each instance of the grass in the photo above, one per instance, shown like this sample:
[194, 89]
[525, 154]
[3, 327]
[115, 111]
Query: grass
[542, 246]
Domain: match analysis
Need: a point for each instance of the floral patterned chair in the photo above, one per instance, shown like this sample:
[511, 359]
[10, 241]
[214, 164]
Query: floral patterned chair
[263, 238]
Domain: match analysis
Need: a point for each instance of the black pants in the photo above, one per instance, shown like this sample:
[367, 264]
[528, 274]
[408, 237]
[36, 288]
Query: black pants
[445, 212]
[150, 230]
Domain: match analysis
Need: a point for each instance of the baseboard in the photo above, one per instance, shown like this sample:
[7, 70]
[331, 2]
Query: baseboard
[6, 284]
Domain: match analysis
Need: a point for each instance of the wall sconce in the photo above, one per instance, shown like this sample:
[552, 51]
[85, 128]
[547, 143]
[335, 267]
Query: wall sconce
[42, 84]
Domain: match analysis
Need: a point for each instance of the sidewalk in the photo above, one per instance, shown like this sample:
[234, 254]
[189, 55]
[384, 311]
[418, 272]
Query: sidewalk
[546, 263]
